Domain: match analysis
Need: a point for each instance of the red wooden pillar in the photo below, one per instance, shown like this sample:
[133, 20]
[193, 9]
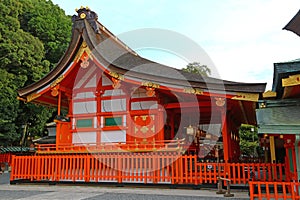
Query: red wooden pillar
[294, 163]
[129, 116]
[220, 103]
[229, 137]
[98, 100]
[59, 102]
[58, 125]
[172, 116]
[58, 132]
[225, 136]
[160, 125]
[160, 120]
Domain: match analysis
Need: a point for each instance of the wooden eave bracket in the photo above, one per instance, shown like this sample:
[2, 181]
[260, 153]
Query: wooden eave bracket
[291, 80]
[246, 96]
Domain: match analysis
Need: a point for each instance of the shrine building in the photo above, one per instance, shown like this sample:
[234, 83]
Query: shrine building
[112, 95]
[113, 104]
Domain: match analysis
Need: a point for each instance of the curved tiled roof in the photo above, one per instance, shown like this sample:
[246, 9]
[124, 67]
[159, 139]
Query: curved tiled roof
[114, 54]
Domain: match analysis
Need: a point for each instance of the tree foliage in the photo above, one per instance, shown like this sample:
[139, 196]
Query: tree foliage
[48, 22]
[9, 106]
[249, 141]
[197, 68]
[33, 36]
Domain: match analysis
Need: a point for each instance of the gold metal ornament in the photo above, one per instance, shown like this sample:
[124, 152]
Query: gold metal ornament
[82, 15]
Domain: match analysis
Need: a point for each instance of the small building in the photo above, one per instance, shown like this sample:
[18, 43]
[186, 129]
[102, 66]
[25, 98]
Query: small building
[277, 116]
[50, 138]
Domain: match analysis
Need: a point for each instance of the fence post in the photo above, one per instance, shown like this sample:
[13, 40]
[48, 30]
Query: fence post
[228, 194]
[293, 187]
[119, 167]
[251, 191]
[12, 168]
[220, 189]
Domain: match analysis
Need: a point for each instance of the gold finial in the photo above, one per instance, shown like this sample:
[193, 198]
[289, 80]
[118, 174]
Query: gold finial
[87, 7]
[81, 7]
[76, 9]
[82, 15]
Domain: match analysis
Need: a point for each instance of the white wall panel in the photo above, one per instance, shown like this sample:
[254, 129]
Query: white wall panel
[113, 105]
[84, 137]
[113, 136]
[85, 95]
[144, 105]
[84, 107]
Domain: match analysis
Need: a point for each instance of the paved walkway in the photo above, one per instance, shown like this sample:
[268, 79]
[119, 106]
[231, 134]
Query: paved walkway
[53, 192]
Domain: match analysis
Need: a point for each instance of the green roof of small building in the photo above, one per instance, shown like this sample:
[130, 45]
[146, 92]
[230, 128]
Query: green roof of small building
[15, 149]
[284, 70]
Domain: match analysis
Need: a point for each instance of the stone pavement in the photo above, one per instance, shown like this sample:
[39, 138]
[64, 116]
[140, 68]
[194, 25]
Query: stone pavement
[61, 191]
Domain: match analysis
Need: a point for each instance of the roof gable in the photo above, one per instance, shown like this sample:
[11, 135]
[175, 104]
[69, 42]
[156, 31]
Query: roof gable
[281, 71]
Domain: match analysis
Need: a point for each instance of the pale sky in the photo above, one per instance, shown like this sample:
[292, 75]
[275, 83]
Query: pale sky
[242, 38]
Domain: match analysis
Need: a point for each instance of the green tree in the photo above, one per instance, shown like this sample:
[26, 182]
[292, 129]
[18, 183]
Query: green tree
[49, 23]
[249, 141]
[8, 108]
[197, 68]
[33, 36]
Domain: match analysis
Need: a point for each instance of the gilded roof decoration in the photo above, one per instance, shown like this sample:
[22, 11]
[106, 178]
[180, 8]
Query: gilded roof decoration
[32, 96]
[269, 94]
[246, 96]
[150, 84]
[57, 81]
[90, 16]
[83, 48]
[191, 90]
[291, 80]
[116, 75]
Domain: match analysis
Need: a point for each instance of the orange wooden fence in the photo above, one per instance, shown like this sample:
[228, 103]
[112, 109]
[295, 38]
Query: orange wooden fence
[274, 190]
[152, 167]
[6, 158]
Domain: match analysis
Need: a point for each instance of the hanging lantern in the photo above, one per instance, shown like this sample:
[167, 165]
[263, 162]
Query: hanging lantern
[190, 130]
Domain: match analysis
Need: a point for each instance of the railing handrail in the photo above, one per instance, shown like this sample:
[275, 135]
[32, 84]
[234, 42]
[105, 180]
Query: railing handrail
[172, 145]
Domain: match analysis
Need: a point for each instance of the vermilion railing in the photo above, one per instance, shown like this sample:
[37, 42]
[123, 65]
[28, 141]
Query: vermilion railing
[274, 190]
[146, 167]
[240, 173]
[146, 146]
[5, 158]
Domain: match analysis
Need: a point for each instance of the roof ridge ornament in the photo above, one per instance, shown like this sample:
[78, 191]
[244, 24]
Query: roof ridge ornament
[90, 16]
